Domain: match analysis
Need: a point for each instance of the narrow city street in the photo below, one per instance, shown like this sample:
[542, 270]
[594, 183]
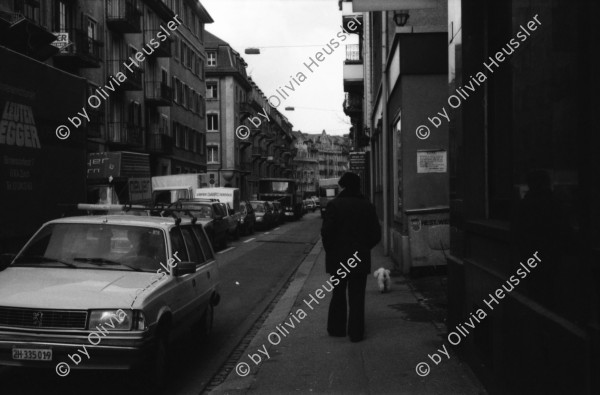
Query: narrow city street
[253, 270]
[235, 197]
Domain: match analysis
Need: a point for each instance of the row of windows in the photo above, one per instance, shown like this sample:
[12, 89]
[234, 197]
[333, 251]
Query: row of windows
[188, 138]
[190, 19]
[188, 57]
[187, 97]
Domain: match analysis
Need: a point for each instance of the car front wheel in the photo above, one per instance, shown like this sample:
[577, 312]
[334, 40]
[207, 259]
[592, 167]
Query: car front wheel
[156, 370]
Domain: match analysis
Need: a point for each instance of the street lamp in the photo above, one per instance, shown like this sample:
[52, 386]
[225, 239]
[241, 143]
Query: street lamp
[252, 51]
[289, 109]
[401, 17]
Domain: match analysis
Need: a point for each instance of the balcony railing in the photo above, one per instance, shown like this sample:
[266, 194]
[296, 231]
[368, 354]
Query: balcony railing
[164, 47]
[81, 50]
[124, 133]
[21, 31]
[134, 77]
[160, 143]
[123, 16]
[353, 54]
[159, 93]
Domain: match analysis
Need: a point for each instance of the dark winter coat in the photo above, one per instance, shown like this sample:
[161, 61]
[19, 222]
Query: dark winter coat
[350, 225]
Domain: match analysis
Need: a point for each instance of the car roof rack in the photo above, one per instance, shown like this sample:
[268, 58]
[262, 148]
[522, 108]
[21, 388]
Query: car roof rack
[110, 207]
[158, 210]
[209, 200]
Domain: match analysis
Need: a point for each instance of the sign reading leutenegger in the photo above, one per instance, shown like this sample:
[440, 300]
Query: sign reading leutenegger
[281, 330]
[493, 300]
[95, 100]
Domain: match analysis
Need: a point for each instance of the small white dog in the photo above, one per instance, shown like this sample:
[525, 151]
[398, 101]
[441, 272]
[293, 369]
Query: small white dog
[383, 279]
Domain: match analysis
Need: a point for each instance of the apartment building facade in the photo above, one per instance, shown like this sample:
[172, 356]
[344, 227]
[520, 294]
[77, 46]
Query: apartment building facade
[306, 164]
[234, 101]
[156, 105]
[331, 153]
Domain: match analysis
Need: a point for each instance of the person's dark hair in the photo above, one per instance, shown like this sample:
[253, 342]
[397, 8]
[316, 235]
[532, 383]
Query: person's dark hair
[350, 181]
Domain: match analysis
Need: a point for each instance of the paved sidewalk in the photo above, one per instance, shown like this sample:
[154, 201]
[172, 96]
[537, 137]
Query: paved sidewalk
[307, 361]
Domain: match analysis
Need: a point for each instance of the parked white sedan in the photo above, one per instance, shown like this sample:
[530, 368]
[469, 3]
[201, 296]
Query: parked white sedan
[106, 292]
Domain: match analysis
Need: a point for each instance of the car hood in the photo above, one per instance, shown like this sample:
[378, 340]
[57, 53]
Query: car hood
[52, 288]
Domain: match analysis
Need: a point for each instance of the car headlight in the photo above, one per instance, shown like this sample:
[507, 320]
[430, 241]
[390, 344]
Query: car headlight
[111, 320]
[259, 219]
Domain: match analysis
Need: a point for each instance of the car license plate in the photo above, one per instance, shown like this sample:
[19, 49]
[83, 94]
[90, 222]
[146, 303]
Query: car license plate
[32, 354]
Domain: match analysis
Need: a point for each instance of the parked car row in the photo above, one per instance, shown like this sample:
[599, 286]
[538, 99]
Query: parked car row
[147, 278]
[219, 220]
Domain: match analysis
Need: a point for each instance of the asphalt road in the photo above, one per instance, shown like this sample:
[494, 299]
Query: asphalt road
[253, 270]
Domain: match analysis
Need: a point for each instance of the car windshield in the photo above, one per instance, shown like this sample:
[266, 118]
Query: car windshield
[112, 247]
[258, 207]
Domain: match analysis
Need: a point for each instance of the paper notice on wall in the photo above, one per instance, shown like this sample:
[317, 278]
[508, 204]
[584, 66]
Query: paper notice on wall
[432, 161]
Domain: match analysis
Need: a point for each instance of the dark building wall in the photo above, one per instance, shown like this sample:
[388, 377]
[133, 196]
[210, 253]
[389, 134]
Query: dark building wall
[528, 125]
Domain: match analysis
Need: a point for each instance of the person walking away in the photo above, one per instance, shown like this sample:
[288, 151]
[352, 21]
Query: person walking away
[350, 227]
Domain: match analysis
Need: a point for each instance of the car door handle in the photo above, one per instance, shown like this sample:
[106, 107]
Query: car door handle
[208, 275]
[193, 282]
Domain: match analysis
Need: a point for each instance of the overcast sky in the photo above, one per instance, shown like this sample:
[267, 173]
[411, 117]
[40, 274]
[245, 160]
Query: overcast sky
[293, 25]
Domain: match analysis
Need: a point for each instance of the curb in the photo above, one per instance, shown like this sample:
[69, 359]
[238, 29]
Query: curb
[234, 383]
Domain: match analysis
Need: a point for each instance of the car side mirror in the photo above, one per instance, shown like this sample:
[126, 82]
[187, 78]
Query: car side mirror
[5, 260]
[183, 268]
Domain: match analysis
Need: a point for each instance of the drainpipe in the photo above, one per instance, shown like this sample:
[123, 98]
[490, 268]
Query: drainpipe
[384, 130]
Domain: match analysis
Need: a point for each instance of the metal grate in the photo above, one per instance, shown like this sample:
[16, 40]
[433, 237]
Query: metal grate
[36, 318]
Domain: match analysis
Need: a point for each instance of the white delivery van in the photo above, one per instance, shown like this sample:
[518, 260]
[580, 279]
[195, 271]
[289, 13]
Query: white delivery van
[169, 189]
[231, 196]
